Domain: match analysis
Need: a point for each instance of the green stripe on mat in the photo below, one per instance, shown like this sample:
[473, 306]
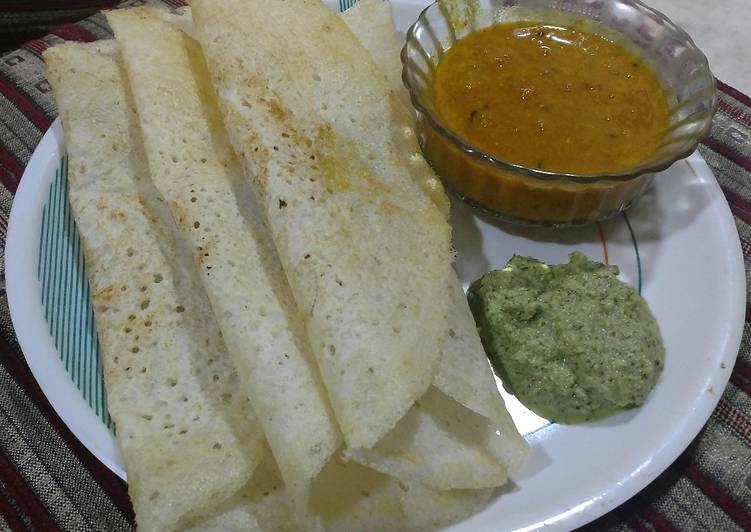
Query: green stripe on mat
[66, 295]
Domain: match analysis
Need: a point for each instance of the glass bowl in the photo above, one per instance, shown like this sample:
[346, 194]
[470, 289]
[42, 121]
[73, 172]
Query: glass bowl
[523, 194]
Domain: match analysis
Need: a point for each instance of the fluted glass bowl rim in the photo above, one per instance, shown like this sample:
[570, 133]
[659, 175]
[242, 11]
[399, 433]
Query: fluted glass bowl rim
[626, 175]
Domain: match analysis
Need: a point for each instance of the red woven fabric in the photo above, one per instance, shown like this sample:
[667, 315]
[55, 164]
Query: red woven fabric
[49, 481]
[21, 21]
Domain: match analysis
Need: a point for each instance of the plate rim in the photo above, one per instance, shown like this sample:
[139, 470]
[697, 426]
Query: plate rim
[62, 393]
[715, 382]
[28, 322]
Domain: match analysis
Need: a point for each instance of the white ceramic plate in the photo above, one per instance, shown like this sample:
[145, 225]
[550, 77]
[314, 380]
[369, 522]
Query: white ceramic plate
[678, 245]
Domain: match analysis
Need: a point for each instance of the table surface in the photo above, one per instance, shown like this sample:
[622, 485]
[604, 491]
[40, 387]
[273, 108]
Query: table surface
[720, 29]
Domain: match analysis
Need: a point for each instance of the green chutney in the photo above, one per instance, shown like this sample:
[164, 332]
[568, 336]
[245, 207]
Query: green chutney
[571, 341]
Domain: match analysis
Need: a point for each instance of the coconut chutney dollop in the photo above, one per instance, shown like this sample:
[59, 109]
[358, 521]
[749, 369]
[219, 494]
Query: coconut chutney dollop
[571, 341]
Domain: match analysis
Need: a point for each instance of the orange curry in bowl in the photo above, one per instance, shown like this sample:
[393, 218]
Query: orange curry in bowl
[548, 98]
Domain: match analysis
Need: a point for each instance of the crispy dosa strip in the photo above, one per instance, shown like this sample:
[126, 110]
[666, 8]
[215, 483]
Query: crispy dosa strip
[365, 251]
[193, 166]
[345, 496]
[263, 505]
[188, 438]
[440, 444]
[372, 22]
[465, 375]
[427, 509]
[348, 496]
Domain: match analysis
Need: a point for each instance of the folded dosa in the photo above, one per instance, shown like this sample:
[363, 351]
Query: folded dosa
[192, 165]
[349, 496]
[366, 252]
[426, 509]
[372, 22]
[262, 505]
[444, 441]
[189, 440]
[464, 373]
